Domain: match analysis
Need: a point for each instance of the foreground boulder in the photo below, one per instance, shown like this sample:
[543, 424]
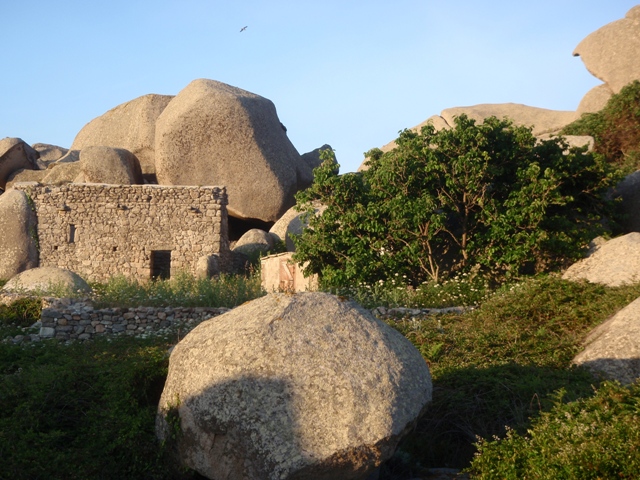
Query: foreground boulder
[613, 263]
[130, 126]
[18, 247]
[304, 386]
[215, 134]
[15, 154]
[613, 348]
[47, 279]
[114, 166]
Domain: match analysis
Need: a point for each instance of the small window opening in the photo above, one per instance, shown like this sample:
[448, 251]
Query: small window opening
[161, 264]
[114, 249]
[72, 233]
[55, 247]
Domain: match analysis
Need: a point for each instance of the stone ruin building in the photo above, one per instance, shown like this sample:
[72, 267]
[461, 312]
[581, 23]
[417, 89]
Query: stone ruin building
[139, 231]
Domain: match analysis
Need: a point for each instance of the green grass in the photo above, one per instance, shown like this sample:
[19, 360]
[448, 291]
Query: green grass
[87, 410]
[182, 290]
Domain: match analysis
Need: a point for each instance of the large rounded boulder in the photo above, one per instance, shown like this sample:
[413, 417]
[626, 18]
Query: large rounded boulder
[114, 166]
[215, 134]
[306, 386]
[47, 280]
[130, 126]
[18, 241]
[15, 154]
[611, 52]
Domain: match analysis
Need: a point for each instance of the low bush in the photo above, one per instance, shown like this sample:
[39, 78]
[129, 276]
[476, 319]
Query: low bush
[615, 128]
[591, 438]
[82, 411]
[497, 367]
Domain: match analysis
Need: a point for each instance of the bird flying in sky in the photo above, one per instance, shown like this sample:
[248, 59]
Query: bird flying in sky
[243, 29]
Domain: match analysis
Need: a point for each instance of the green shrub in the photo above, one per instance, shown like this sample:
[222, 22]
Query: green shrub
[499, 365]
[593, 438]
[83, 411]
[615, 128]
[486, 196]
[23, 312]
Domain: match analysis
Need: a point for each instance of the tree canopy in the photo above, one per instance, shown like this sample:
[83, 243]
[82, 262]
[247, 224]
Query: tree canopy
[488, 197]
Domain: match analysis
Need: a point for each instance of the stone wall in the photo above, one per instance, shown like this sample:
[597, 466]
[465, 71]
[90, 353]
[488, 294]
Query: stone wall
[81, 321]
[139, 231]
[67, 319]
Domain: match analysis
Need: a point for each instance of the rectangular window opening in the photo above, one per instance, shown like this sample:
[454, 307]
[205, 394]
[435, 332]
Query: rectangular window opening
[160, 264]
[72, 233]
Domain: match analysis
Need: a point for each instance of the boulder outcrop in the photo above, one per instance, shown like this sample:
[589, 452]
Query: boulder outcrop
[595, 99]
[613, 348]
[25, 175]
[292, 386]
[18, 244]
[292, 223]
[15, 154]
[130, 126]
[613, 263]
[611, 52]
[215, 134]
[310, 160]
[48, 153]
[253, 242]
[115, 166]
[541, 119]
[47, 279]
[62, 172]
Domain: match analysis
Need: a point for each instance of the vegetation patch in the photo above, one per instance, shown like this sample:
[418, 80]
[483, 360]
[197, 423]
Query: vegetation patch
[615, 128]
[181, 290]
[592, 438]
[496, 368]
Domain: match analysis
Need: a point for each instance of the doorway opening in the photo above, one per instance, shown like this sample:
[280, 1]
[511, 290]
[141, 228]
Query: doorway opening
[160, 264]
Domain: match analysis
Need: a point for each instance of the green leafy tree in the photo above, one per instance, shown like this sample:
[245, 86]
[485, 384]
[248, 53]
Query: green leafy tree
[488, 196]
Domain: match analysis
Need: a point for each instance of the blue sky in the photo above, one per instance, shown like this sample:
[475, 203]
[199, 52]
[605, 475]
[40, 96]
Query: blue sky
[347, 73]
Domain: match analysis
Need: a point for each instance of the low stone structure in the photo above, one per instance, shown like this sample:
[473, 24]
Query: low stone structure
[139, 231]
[68, 319]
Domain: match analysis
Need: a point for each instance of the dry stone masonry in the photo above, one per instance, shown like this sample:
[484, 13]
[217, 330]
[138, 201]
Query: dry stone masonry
[139, 231]
[67, 319]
